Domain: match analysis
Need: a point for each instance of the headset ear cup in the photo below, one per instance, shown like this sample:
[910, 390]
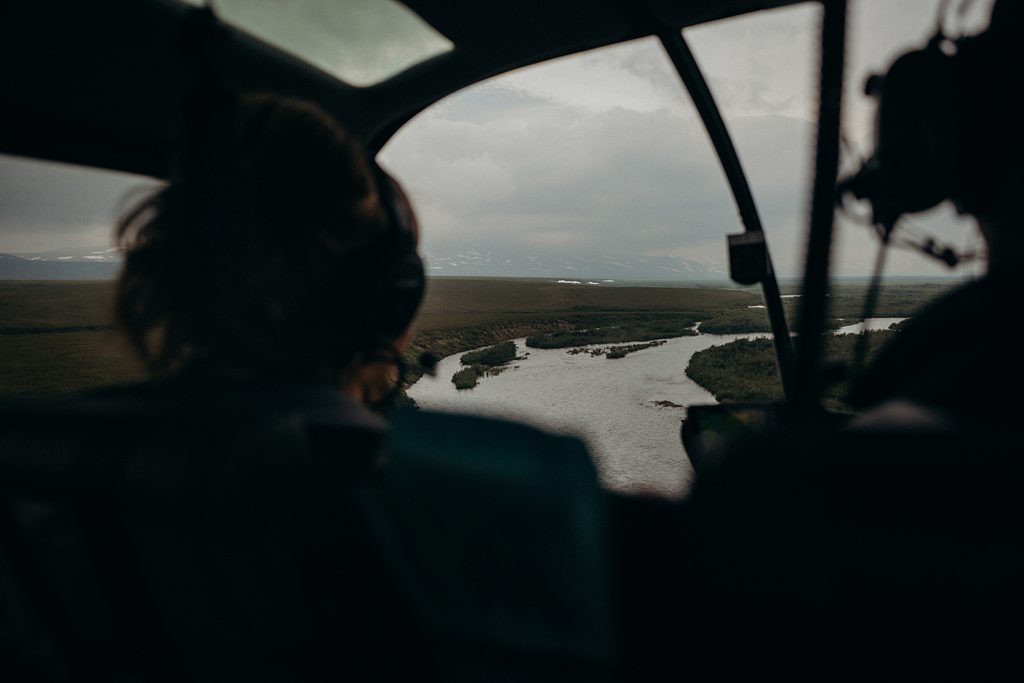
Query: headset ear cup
[395, 290]
[400, 297]
[917, 132]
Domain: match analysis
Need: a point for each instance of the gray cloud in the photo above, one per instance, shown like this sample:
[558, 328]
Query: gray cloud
[46, 205]
[615, 181]
[602, 152]
[589, 154]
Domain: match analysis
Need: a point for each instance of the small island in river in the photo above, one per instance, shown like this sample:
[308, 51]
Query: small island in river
[488, 361]
[614, 351]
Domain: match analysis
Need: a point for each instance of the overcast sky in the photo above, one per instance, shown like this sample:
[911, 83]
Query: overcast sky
[594, 154]
[602, 153]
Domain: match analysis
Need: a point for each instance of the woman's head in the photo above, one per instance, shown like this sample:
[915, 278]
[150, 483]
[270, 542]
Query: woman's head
[263, 255]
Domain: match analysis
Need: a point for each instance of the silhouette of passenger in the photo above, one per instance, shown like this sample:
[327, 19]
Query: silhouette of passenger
[277, 254]
[891, 547]
[277, 273]
[949, 128]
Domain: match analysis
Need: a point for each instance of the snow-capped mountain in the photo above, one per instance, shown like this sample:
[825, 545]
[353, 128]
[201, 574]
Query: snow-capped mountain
[79, 263]
[95, 263]
[468, 261]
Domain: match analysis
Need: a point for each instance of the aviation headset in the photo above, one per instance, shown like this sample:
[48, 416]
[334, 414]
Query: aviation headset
[939, 124]
[396, 288]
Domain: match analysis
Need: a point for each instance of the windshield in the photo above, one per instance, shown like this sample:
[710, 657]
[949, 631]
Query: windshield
[57, 265]
[573, 220]
[878, 33]
[362, 42]
[770, 107]
[586, 192]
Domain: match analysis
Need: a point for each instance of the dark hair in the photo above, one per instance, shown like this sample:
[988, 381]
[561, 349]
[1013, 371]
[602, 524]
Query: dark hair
[253, 257]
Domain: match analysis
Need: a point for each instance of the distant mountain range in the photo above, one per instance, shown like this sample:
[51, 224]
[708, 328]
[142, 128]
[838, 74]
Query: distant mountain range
[101, 263]
[83, 263]
[464, 260]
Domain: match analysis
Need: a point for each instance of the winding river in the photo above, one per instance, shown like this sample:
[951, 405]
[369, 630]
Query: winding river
[628, 410]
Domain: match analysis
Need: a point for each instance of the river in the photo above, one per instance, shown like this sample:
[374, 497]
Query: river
[628, 410]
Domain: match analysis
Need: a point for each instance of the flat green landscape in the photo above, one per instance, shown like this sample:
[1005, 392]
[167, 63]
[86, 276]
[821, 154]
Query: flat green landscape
[57, 337]
[744, 370]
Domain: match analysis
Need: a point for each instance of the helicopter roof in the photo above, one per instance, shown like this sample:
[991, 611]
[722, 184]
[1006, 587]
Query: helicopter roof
[116, 103]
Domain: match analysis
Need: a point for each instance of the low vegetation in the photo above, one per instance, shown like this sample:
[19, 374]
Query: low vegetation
[466, 378]
[484, 362]
[638, 328]
[492, 355]
[845, 306]
[621, 351]
[896, 300]
[460, 314]
[57, 337]
[737, 321]
[745, 369]
[614, 351]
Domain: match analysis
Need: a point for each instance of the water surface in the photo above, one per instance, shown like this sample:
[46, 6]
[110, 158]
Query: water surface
[628, 410]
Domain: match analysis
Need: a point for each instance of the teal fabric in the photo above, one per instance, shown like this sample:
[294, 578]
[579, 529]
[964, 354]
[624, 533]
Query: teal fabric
[502, 531]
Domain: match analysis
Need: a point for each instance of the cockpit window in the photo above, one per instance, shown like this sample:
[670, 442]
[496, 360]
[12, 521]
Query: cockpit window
[57, 265]
[762, 71]
[67, 211]
[362, 42]
[591, 180]
[573, 220]
[590, 166]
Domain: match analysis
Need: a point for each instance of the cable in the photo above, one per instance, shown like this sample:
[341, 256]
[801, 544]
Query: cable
[940, 17]
[909, 235]
[924, 243]
[860, 351]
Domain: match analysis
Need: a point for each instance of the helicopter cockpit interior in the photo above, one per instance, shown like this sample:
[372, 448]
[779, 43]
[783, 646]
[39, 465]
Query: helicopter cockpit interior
[272, 534]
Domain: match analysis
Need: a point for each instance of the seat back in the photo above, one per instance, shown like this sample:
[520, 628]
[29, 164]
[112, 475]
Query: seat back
[504, 530]
[841, 554]
[213, 539]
